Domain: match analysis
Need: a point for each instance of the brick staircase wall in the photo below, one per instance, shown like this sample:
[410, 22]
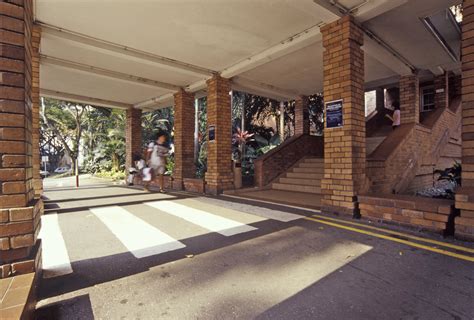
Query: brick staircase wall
[277, 161]
[415, 150]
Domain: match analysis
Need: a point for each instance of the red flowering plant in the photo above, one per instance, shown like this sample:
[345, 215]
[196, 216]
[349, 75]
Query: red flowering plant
[240, 138]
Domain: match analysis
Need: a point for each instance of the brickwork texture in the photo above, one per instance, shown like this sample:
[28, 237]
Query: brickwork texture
[344, 148]
[219, 175]
[184, 116]
[133, 135]
[19, 211]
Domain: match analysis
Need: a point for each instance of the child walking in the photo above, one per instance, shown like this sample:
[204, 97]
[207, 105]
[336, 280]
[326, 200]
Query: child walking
[157, 153]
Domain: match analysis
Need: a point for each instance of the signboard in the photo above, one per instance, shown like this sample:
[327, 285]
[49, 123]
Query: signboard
[334, 118]
[212, 133]
[44, 159]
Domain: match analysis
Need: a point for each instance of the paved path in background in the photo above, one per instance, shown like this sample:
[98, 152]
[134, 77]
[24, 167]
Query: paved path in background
[119, 253]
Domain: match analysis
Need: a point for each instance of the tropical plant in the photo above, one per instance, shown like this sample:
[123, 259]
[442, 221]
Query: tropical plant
[240, 138]
[451, 174]
[265, 145]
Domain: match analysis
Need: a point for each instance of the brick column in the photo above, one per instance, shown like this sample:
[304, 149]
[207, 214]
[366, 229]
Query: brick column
[301, 115]
[35, 97]
[409, 99]
[441, 85]
[464, 224]
[184, 116]
[219, 175]
[380, 100]
[19, 212]
[344, 147]
[133, 135]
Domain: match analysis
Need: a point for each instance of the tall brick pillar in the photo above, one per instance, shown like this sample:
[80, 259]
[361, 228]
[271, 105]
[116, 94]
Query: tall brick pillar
[344, 147]
[20, 212]
[35, 97]
[184, 116]
[133, 135]
[380, 100]
[409, 99]
[301, 115]
[219, 175]
[464, 224]
[441, 86]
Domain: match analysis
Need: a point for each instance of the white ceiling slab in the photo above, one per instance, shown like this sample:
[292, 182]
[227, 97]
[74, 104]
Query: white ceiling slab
[76, 52]
[403, 29]
[65, 80]
[210, 33]
[271, 47]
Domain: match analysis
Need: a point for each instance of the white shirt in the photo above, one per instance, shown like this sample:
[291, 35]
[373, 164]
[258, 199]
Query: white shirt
[396, 118]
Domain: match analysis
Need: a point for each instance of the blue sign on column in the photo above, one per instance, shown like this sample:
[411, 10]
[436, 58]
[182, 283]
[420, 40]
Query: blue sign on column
[334, 118]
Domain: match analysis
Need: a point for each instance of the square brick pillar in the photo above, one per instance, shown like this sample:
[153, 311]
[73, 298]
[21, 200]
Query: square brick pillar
[184, 116]
[344, 147]
[219, 175]
[301, 115]
[133, 135]
[441, 86]
[20, 212]
[35, 97]
[380, 100]
[464, 224]
[409, 99]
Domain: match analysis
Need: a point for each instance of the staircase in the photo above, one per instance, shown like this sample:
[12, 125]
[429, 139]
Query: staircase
[304, 177]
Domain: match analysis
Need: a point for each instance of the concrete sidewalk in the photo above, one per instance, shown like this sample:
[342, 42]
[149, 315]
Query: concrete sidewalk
[235, 260]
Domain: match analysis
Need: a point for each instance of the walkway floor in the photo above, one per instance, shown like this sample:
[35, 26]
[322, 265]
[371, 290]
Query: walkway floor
[112, 252]
[291, 198]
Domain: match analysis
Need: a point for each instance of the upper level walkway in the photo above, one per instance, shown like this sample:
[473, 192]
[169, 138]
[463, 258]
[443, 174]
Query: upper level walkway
[119, 253]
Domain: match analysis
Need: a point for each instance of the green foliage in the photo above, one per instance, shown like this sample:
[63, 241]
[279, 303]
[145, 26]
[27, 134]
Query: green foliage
[201, 163]
[452, 174]
[112, 174]
[161, 120]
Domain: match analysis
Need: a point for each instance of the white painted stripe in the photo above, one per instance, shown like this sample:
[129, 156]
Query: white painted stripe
[274, 203]
[55, 258]
[141, 238]
[253, 210]
[201, 218]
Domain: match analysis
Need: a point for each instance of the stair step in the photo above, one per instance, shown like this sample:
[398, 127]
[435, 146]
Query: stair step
[372, 143]
[311, 165]
[296, 188]
[313, 160]
[308, 170]
[305, 182]
[304, 175]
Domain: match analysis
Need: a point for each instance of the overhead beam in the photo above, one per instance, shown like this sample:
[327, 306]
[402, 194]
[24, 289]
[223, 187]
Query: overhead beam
[287, 46]
[263, 89]
[124, 51]
[107, 73]
[373, 44]
[83, 99]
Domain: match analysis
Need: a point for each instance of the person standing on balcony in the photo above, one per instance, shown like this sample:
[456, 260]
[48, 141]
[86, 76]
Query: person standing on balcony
[396, 115]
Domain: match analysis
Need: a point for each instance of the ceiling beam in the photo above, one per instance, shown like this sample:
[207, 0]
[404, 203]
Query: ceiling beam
[83, 99]
[373, 44]
[124, 51]
[107, 73]
[262, 89]
[287, 46]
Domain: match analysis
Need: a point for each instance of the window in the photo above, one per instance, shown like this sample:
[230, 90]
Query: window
[370, 102]
[427, 99]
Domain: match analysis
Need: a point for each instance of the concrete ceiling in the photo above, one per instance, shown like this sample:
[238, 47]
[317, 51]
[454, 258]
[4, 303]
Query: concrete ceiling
[140, 54]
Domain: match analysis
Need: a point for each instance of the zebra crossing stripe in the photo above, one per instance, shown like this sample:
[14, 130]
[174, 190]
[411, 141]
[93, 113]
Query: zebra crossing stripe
[55, 258]
[202, 218]
[139, 237]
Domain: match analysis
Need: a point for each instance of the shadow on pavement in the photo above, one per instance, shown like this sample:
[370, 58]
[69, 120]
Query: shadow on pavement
[79, 308]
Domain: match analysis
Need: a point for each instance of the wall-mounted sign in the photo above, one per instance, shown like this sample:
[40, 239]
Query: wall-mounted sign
[212, 133]
[44, 159]
[334, 117]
